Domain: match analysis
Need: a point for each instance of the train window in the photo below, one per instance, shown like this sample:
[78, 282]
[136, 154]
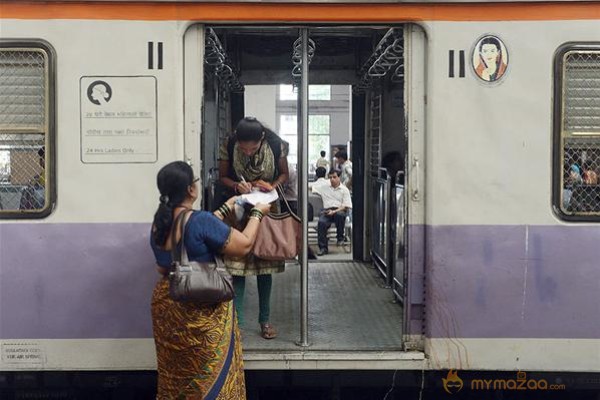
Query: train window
[315, 92]
[577, 132]
[318, 135]
[319, 92]
[25, 130]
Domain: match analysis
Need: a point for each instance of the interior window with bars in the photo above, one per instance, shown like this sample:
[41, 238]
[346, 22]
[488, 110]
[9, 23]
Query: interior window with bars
[318, 136]
[580, 133]
[24, 131]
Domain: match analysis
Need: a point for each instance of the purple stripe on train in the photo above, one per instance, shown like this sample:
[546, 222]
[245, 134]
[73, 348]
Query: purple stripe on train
[513, 281]
[416, 278]
[73, 281]
[95, 281]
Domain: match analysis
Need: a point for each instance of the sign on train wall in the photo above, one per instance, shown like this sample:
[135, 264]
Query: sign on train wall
[118, 119]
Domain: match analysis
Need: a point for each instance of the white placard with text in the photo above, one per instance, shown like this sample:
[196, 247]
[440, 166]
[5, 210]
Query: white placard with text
[118, 119]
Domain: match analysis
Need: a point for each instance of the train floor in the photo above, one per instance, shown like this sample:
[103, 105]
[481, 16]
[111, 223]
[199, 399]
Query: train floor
[349, 310]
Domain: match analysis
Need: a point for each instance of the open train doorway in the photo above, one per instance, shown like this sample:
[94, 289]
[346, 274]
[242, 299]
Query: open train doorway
[358, 298]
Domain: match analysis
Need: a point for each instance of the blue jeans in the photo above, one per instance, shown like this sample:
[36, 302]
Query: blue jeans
[325, 221]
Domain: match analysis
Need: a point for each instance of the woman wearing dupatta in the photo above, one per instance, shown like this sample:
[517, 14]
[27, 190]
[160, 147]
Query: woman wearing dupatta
[254, 157]
[198, 346]
[491, 63]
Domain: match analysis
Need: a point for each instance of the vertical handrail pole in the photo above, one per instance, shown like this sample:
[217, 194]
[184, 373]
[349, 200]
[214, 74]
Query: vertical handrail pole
[303, 189]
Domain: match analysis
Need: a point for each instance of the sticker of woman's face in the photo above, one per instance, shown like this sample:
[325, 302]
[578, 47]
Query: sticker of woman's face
[490, 58]
[489, 53]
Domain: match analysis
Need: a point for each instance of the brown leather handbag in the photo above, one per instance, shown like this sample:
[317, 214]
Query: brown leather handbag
[197, 282]
[279, 235]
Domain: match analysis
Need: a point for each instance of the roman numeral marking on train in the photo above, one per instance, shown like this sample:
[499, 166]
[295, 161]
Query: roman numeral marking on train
[159, 53]
[461, 63]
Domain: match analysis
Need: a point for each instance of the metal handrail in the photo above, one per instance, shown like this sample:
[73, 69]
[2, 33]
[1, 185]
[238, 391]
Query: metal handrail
[216, 58]
[388, 53]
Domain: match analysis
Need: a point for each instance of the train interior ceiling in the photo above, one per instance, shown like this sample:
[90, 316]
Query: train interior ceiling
[355, 104]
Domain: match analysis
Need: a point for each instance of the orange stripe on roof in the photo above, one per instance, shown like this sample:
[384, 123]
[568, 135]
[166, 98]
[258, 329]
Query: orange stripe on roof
[311, 12]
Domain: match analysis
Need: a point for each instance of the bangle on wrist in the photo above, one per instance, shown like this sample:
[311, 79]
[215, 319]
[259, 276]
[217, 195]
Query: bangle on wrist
[256, 213]
[226, 207]
[224, 210]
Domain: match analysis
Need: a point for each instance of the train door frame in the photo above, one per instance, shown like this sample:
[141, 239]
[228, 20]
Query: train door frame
[415, 95]
[413, 200]
[414, 203]
[193, 95]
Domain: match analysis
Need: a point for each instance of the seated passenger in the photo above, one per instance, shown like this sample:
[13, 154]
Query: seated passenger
[336, 203]
[590, 177]
[321, 180]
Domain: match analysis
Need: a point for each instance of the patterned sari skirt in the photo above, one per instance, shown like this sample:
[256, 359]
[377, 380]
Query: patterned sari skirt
[198, 349]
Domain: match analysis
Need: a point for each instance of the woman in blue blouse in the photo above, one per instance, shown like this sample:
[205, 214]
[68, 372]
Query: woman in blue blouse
[198, 346]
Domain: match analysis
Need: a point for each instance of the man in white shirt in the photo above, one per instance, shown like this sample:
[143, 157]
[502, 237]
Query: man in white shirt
[341, 158]
[320, 181]
[336, 203]
[322, 161]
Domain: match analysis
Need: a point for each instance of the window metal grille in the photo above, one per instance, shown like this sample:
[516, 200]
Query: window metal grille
[580, 134]
[375, 133]
[24, 126]
[582, 93]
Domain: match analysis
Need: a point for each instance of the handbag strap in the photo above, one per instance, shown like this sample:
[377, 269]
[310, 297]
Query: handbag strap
[177, 255]
[182, 256]
[282, 197]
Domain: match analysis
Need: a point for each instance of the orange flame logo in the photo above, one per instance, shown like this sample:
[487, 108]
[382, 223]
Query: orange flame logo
[452, 383]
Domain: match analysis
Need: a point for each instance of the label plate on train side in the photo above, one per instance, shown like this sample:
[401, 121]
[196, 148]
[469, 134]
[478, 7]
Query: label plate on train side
[23, 353]
[118, 119]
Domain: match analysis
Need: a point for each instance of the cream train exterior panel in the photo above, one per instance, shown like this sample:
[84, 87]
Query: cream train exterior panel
[108, 48]
[576, 355]
[489, 146]
[468, 354]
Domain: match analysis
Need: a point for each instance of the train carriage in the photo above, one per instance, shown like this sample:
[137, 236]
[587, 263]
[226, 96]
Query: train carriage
[488, 247]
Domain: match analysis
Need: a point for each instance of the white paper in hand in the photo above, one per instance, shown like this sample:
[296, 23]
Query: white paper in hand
[257, 196]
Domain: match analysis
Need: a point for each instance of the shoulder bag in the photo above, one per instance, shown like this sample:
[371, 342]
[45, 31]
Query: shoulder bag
[198, 282]
[279, 235]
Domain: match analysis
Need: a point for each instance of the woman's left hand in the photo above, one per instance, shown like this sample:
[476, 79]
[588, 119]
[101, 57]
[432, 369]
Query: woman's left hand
[264, 186]
[231, 201]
